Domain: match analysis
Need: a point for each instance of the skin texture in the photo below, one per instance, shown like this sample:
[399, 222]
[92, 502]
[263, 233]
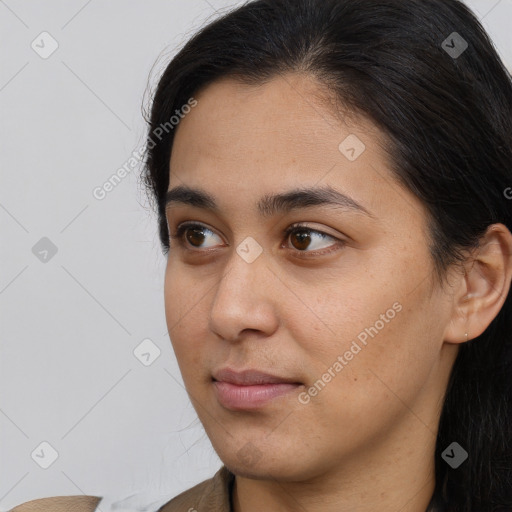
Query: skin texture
[366, 441]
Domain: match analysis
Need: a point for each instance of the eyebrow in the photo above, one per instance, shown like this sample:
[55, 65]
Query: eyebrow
[271, 204]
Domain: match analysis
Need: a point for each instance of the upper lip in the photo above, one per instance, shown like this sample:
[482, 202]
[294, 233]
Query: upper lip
[249, 377]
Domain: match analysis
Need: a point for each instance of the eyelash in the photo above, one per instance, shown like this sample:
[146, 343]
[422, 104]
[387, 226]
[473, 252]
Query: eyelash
[180, 231]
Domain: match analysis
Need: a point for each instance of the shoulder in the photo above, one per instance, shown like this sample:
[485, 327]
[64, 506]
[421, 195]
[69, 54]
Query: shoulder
[60, 504]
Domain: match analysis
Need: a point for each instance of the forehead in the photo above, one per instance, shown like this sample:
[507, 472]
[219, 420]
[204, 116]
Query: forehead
[242, 141]
[291, 114]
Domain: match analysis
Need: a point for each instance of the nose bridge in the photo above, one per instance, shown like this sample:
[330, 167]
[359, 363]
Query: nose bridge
[242, 299]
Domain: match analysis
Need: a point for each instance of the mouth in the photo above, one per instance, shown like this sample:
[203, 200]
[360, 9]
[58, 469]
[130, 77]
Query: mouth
[250, 389]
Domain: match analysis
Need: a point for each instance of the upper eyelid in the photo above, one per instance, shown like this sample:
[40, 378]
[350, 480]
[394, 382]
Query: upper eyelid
[191, 224]
[297, 226]
[292, 227]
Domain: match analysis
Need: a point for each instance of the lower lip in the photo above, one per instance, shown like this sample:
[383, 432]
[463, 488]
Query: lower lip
[236, 397]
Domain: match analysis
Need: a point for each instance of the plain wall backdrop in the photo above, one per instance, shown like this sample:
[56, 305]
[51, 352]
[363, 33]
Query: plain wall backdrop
[81, 274]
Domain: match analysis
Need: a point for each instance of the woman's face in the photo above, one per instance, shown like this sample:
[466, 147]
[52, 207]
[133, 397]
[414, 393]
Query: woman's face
[342, 306]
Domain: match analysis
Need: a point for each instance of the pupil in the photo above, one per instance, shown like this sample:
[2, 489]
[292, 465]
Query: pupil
[302, 236]
[190, 236]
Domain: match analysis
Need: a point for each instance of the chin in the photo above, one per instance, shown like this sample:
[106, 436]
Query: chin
[258, 471]
[267, 466]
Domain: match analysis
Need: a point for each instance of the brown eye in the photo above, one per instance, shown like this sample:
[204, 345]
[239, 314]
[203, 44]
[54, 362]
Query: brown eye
[193, 234]
[303, 238]
[304, 241]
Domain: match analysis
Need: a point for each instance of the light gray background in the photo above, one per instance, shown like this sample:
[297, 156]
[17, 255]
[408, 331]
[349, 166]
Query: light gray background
[69, 325]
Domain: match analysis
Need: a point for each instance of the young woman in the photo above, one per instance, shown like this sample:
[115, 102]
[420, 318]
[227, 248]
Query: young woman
[333, 186]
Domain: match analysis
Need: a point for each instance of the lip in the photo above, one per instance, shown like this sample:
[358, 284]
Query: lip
[250, 377]
[250, 389]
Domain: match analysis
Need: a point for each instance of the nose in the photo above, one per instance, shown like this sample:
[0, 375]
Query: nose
[245, 299]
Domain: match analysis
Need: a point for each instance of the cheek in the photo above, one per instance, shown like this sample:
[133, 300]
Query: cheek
[185, 301]
[184, 293]
[374, 349]
[370, 392]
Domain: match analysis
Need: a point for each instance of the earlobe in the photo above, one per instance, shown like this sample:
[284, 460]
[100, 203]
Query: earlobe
[484, 286]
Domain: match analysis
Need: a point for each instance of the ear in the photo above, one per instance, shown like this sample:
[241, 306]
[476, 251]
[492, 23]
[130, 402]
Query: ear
[481, 291]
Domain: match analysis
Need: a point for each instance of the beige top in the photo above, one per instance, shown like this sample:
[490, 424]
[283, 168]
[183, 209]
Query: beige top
[212, 495]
